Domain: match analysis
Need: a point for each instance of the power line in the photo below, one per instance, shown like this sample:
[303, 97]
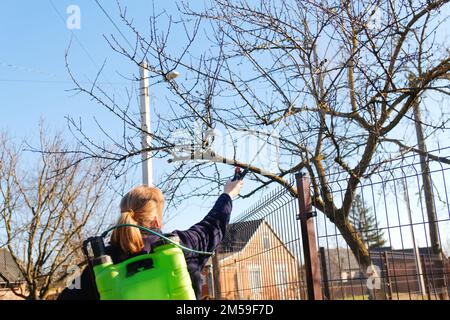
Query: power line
[45, 73]
[114, 24]
[27, 69]
[84, 49]
[59, 81]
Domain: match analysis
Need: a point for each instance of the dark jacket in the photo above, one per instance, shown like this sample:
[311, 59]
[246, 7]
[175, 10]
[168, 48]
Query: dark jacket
[203, 236]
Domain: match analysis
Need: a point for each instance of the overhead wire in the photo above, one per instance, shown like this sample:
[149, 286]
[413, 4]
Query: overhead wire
[113, 23]
[85, 50]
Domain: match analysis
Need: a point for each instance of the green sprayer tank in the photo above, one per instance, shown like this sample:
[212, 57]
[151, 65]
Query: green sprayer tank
[159, 275]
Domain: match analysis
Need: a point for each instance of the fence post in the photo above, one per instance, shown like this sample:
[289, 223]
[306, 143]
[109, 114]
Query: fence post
[443, 284]
[427, 283]
[323, 263]
[306, 217]
[216, 276]
[388, 275]
[445, 272]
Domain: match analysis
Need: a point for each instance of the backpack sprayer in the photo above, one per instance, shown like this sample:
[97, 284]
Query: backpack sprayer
[161, 274]
[238, 174]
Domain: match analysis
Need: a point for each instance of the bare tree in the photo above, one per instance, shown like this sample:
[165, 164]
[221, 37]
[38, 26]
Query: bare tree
[338, 79]
[46, 210]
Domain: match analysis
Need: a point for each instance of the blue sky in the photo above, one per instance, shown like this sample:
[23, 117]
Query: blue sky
[34, 39]
[34, 82]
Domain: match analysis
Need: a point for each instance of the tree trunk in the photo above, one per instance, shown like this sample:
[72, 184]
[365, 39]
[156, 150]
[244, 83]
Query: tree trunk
[34, 294]
[216, 276]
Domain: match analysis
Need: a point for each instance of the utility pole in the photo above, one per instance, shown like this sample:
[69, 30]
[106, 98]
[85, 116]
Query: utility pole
[147, 166]
[306, 216]
[428, 190]
[417, 260]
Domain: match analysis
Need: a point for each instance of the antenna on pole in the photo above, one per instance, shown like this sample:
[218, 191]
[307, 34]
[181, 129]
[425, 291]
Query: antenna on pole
[146, 140]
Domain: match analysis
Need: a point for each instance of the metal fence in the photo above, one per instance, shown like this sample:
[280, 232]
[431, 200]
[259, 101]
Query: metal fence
[260, 257]
[284, 248]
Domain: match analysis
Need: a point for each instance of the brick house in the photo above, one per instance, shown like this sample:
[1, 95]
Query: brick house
[254, 264]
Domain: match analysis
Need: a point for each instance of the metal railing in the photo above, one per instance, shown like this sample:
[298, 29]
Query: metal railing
[260, 257]
[284, 248]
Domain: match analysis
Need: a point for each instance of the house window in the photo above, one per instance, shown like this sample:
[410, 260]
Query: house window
[254, 274]
[237, 293]
[266, 241]
[281, 279]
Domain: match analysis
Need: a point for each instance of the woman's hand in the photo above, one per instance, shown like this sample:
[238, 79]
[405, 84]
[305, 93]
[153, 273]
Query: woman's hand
[232, 188]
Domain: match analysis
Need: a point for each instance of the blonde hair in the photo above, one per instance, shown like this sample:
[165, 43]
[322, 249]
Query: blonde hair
[139, 206]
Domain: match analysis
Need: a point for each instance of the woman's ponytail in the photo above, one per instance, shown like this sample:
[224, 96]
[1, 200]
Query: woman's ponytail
[141, 206]
[129, 239]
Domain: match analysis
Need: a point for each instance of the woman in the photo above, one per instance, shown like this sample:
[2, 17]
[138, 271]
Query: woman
[143, 206]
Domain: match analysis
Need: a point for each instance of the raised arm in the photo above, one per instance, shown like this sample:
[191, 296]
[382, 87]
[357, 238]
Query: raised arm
[208, 233]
